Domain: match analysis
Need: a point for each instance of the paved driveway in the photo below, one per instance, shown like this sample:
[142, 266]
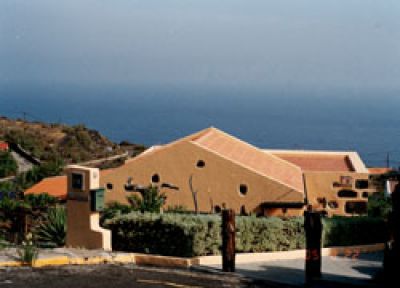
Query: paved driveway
[347, 270]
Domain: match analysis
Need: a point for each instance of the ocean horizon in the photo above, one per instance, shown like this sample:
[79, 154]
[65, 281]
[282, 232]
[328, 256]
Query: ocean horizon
[267, 118]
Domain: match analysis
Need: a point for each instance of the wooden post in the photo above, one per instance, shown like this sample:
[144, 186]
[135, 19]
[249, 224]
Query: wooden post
[392, 247]
[313, 228]
[228, 240]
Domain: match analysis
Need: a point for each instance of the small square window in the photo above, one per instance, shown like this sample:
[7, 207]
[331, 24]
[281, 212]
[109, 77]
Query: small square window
[77, 181]
[346, 180]
[362, 184]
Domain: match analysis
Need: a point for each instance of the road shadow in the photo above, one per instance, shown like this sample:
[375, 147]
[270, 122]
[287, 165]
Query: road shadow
[296, 277]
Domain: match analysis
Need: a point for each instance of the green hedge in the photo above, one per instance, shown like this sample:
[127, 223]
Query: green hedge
[195, 235]
[344, 231]
[166, 234]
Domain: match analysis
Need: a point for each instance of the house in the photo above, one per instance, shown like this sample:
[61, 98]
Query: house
[55, 186]
[336, 182]
[212, 170]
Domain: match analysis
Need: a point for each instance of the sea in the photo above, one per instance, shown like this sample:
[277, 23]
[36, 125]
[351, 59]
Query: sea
[278, 118]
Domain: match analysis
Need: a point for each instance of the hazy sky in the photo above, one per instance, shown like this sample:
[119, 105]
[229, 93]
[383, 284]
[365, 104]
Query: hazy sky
[347, 44]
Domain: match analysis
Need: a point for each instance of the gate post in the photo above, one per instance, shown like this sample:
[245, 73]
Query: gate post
[313, 229]
[228, 240]
[83, 229]
[392, 247]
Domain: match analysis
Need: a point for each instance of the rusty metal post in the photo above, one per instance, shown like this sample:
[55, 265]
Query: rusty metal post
[313, 229]
[228, 240]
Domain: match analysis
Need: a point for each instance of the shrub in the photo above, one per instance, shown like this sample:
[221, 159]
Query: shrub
[151, 200]
[114, 209]
[51, 232]
[40, 201]
[167, 234]
[8, 166]
[9, 206]
[177, 209]
[190, 235]
[268, 234]
[345, 231]
[3, 242]
[379, 205]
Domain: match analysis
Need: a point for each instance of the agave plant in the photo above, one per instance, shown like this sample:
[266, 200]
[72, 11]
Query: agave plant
[52, 229]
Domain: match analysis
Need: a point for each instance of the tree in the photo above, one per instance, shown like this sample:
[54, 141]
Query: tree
[151, 200]
[194, 194]
[8, 166]
[379, 205]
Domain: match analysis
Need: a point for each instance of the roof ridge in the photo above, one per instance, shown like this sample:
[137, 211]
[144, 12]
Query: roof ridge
[249, 168]
[257, 148]
[277, 178]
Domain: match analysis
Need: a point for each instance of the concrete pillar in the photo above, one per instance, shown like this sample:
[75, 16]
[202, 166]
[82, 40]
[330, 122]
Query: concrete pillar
[83, 229]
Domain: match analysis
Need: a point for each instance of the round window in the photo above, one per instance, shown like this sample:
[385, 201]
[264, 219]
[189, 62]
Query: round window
[200, 164]
[243, 189]
[155, 178]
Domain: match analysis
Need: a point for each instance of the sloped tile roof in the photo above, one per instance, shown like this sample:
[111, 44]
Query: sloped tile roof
[55, 186]
[320, 163]
[250, 157]
[379, 170]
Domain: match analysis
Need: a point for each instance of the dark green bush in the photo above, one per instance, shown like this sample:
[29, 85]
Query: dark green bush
[40, 201]
[114, 209]
[167, 234]
[8, 166]
[193, 235]
[345, 231]
[379, 205]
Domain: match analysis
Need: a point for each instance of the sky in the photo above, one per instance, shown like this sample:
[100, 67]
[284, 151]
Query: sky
[346, 44]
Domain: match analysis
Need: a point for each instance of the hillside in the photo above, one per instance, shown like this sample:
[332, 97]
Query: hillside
[71, 144]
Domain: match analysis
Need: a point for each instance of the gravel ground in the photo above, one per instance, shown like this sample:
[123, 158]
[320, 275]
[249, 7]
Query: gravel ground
[114, 276]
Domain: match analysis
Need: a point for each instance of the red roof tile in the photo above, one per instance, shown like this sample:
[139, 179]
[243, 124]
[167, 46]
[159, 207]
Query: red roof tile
[312, 162]
[55, 186]
[379, 170]
[251, 157]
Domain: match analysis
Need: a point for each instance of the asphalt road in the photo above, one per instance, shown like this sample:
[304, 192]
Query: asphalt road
[114, 276]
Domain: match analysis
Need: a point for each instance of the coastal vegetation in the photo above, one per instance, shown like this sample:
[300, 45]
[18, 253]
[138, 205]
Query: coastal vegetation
[54, 146]
[71, 144]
